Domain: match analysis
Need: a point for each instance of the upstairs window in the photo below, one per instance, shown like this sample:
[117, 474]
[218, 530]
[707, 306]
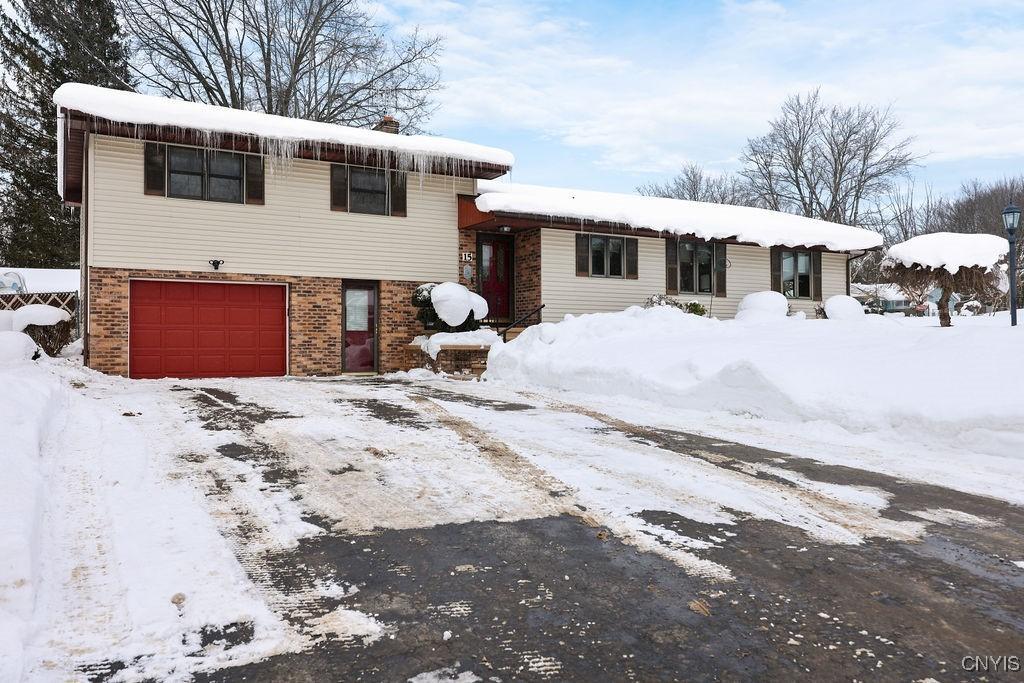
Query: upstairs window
[375, 191]
[211, 175]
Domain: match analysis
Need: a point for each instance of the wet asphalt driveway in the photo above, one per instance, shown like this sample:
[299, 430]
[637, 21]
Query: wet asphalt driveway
[471, 585]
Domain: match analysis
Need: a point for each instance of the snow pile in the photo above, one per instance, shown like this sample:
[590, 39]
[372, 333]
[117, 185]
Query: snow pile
[39, 280]
[842, 307]
[37, 314]
[454, 303]
[277, 133]
[760, 307]
[922, 384]
[483, 338]
[949, 250]
[28, 403]
[701, 219]
[15, 347]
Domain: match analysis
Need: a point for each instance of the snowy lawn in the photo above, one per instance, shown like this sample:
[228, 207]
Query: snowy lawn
[901, 380]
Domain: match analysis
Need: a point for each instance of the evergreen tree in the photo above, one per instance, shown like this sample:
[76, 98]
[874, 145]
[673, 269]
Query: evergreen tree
[44, 43]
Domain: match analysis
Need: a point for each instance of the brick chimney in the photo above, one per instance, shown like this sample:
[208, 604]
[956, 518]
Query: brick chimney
[388, 124]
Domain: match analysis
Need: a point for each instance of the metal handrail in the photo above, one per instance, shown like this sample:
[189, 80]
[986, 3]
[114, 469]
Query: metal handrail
[523, 318]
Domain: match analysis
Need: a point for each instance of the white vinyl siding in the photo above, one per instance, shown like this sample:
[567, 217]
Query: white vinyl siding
[562, 292]
[749, 271]
[293, 233]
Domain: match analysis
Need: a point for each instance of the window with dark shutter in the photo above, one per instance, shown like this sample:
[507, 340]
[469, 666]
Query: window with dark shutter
[582, 255]
[155, 168]
[185, 172]
[632, 258]
[224, 177]
[398, 183]
[721, 266]
[816, 275]
[339, 187]
[253, 179]
[671, 265]
[776, 269]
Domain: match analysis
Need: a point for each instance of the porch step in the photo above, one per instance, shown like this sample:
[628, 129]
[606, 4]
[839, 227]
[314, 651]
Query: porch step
[514, 332]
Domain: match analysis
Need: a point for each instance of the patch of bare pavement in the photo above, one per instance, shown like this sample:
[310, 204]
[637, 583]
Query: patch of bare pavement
[562, 597]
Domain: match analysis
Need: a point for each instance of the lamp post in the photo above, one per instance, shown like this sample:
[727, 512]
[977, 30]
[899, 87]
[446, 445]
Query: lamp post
[1011, 217]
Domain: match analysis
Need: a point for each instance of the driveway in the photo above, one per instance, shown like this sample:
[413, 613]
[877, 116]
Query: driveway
[464, 531]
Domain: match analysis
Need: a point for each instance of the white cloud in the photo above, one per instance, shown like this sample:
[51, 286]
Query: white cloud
[646, 99]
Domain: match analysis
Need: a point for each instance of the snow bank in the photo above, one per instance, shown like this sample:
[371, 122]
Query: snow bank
[484, 338]
[414, 151]
[868, 374]
[29, 400]
[762, 307]
[454, 303]
[38, 314]
[46, 279]
[842, 307]
[949, 250]
[701, 219]
[15, 348]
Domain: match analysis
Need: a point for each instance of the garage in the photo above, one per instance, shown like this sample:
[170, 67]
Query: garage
[206, 329]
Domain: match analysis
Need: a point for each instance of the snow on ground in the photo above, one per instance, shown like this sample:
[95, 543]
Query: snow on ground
[705, 220]
[108, 549]
[915, 382]
[950, 250]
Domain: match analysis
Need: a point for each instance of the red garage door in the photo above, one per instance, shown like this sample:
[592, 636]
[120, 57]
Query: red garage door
[206, 329]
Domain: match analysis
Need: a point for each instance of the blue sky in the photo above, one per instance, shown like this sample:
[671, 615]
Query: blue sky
[608, 95]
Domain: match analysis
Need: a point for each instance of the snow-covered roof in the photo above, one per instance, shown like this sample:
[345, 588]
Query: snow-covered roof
[39, 280]
[702, 219]
[134, 108]
[950, 250]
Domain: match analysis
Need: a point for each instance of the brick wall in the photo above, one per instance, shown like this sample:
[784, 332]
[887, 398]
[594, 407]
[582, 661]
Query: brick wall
[527, 272]
[315, 319]
[467, 243]
[397, 325]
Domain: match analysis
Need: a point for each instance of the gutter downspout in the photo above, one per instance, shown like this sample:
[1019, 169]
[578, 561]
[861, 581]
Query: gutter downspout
[862, 254]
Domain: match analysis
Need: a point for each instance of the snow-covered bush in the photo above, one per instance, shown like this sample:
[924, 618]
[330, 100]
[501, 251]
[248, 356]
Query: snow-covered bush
[51, 328]
[16, 347]
[691, 307]
[762, 307]
[843, 307]
[449, 307]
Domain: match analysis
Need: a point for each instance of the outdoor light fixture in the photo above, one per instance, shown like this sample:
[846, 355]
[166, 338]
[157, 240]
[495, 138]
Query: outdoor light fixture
[1011, 217]
[216, 263]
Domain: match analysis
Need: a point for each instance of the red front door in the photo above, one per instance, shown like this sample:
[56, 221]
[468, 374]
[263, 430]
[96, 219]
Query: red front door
[206, 329]
[496, 275]
[360, 327]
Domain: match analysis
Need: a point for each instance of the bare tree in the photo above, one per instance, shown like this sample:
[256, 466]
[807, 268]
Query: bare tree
[827, 162]
[696, 184]
[324, 60]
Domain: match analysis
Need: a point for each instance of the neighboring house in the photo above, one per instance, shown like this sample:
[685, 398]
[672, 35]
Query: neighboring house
[219, 242]
[892, 299]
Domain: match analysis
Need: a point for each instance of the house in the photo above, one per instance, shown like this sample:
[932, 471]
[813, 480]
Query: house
[892, 299]
[581, 252]
[221, 242]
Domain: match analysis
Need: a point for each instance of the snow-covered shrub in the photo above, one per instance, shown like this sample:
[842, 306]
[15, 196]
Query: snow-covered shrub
[763, 307]
[691, 307]
[51, 328]
[843, 307]
[16, 347]
[52, 338]
[449, 307]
